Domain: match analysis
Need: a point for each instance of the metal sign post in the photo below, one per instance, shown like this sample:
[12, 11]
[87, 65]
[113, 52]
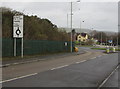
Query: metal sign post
[18, 31]
[14, 47]
[22, 48]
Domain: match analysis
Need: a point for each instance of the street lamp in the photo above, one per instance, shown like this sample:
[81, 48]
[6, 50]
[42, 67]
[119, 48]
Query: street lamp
[92, 33]
[81, 24]
[71, 24]
[67, 20]
[117, 40]
[101, 38]
[106, 41]
[80, 28]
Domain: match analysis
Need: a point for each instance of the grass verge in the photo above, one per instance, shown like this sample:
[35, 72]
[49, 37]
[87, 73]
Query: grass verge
[84, 46]
[104, 49]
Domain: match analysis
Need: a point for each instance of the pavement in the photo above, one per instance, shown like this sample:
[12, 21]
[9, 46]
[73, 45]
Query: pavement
[17, 61]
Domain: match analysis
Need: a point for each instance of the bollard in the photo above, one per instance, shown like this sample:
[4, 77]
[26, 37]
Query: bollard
[108, 50]
[113, 49]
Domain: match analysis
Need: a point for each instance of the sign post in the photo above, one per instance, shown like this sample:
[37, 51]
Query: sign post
[110, 41]
[14, 47]
[22, 48]
[18, 31]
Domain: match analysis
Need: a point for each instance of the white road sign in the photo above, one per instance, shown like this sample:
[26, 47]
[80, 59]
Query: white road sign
[18, 26]
[66, 44]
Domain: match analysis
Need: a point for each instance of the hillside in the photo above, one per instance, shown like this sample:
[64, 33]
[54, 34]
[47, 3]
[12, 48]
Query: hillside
[88, 31]
[34, 27]
[77, 30]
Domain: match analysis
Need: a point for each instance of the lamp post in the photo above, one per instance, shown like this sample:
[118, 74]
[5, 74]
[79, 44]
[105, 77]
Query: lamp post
[106, 41]
[81, 24]
[67, 20]
[101, 38]
[117, 41]
[71, 24]
[92, 32]
[80, 29]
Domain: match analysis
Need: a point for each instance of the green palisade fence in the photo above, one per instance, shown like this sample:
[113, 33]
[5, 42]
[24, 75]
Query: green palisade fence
[33, 47]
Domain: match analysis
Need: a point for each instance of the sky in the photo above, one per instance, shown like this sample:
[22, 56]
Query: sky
[102, 16]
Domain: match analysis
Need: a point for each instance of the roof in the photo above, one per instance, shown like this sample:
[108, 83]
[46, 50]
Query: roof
[82, 34]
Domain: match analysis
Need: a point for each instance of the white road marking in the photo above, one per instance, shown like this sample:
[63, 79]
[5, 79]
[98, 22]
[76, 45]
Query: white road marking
[93, 58]
[86, 51]
[105, 54]
[6, 65]
[15, 63]
[22, 62]
[81, 61]
[108, 77]
[18, 78]
[59, 67]
[100, 56]
[77, 62]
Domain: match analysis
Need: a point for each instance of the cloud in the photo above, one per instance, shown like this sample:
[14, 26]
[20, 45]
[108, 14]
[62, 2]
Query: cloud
[102, 16]
[59, 0]
[97, 15]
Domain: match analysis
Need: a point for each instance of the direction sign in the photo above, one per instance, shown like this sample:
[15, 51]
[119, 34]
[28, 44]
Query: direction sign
[18, 26]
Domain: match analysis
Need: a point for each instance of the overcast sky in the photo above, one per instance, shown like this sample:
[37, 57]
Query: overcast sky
[96, 15]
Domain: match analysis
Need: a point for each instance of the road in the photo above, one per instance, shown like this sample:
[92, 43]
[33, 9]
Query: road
[81, 73]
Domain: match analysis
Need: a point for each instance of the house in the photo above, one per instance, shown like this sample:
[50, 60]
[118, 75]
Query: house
[83, 37]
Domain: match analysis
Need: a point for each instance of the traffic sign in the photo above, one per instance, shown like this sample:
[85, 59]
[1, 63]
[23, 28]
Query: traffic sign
[110, 41]
[66, 43]
[18, 26]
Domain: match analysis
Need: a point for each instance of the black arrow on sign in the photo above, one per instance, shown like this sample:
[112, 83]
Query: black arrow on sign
[18, 31]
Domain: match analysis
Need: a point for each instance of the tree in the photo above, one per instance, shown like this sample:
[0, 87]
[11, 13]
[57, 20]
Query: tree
[99, 36]
[35, 28]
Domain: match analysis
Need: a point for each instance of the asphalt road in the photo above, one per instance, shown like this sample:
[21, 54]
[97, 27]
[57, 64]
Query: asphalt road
[90, 73]
[14, 71]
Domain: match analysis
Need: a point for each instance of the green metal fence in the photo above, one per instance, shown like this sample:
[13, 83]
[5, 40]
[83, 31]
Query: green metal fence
[33, 47]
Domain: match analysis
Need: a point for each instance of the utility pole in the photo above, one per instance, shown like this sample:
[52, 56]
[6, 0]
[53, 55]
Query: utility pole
[117, 40]
[101, 38]
[112, 41]
[80, 29]
[67, 21]
[106, 41]
[71, 27]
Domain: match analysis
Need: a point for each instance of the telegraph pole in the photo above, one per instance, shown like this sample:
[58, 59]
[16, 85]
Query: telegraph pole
[71, 26]
[67, 21]
[117, 40]
[101, 38]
